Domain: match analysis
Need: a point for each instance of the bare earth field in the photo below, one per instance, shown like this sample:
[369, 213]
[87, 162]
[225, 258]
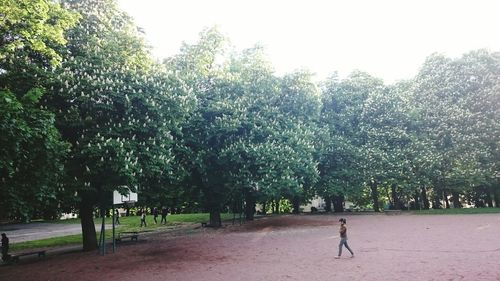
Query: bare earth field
[403, 247]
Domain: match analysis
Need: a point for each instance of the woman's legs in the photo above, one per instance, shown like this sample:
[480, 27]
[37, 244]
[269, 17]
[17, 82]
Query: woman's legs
[343, 241]
[347, 246]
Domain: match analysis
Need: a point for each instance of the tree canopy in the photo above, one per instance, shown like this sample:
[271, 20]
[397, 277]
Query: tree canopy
[86, 110]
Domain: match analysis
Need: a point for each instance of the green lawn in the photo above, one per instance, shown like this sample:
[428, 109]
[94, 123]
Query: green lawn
[458, 211]
[132, 223]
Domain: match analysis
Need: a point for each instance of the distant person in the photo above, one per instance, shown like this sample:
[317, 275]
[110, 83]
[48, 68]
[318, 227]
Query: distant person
[117, 217]
[164, 213]
[343, 238]
[143, 218]
[5, 247]
[155, 215]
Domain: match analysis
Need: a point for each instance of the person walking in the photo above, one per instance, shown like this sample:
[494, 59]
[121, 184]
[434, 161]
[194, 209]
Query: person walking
[5, 247]
[155, 215]
[164, 213]
[143, 218]
[343, 238]
[117, 217]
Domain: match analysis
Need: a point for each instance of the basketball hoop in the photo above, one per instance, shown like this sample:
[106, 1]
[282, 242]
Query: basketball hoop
[127, 197]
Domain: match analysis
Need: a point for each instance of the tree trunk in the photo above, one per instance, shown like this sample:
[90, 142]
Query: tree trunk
[215, 219]
[249, 206]
[445, 197]
[496, 195]
[417, 200]
[436, 200]
[338, 203]
[87, 222]
[296, 205]
[425, 200]
[374, 191]
[276, 206]
[489, 198]
[395, 199]
[328, 204]
[264, 206]
[456, 200]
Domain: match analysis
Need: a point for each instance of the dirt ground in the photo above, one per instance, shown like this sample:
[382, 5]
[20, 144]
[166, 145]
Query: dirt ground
[398, 247]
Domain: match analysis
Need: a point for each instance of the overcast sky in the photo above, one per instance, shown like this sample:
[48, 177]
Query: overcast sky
[389, 39]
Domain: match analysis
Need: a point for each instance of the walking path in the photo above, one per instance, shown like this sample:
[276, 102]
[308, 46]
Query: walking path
[35, 231]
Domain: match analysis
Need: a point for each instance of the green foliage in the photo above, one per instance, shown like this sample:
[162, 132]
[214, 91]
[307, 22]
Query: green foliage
[32, 29]
[458, 102]
[85, 110]
[31, 157]
[348, 155]
[119, 111]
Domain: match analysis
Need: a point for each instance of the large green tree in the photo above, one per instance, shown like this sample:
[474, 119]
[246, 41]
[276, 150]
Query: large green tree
[116, 108]
[32, 153]
[458, 100]
[349, 160]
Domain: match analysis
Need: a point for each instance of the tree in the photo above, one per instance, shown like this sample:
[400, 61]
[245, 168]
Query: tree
[32, 158]
[347, 159]
[455, 98]
[31, 31]
[117, 110]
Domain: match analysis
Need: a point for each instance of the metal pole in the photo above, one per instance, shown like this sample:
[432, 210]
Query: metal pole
[114, 241]
[103, 232]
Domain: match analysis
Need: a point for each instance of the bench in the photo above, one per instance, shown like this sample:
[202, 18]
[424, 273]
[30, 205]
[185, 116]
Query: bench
[392, 212]
[133, 235]
[15, 257]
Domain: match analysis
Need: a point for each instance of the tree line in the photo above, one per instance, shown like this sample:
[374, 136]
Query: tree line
[85, 110]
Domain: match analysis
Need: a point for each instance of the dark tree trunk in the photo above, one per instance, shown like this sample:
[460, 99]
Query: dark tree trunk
[417, 200]
[338, 203]
[215, 219]
[87, 220]
[249, 206]
[374, 191]
[496, 194]
[445, 197]
[425, 200]
[456, 200]
[489, 198]
[214, 208]
[436, 200]
[328, 204]
[264, 206]
[395, 199]
[276, 206]
[296, 205]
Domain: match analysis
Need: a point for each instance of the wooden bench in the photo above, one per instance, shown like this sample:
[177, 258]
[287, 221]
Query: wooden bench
[133, 235]
[15, 257]
[392, 212]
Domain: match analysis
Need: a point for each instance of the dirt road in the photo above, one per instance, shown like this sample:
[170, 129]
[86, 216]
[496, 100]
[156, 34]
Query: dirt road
[404, 247]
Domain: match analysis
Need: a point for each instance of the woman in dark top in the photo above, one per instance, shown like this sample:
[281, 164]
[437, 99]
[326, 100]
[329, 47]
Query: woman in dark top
[343, 238]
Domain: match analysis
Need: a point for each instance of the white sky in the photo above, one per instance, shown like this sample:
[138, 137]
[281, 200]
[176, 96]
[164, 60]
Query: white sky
[389, 39]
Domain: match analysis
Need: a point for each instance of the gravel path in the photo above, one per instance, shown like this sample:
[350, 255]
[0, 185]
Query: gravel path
[34, 231]
[404, 247]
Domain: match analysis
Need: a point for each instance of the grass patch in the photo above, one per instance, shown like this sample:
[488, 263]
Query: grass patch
[49, 242]
[132, 223]
[458, 211]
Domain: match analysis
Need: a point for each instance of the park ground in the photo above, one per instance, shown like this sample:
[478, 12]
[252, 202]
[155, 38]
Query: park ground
[303, 247]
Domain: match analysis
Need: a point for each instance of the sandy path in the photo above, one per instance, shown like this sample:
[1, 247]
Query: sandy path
[405, 247]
